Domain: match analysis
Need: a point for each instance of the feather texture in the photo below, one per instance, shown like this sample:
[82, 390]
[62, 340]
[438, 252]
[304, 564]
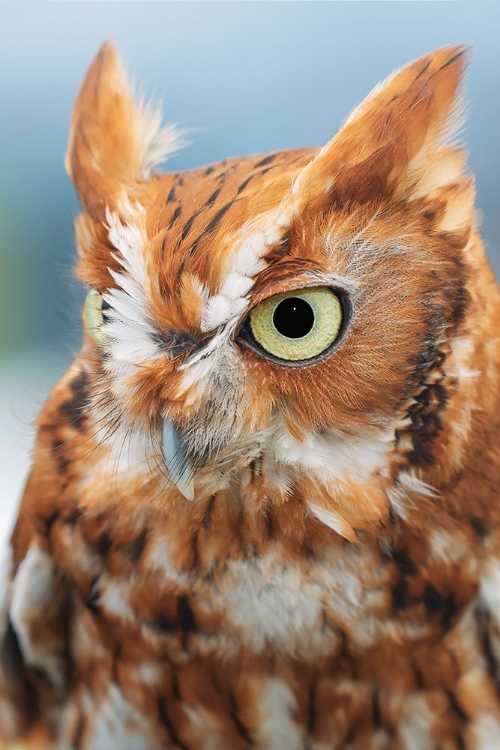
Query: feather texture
[334, 583]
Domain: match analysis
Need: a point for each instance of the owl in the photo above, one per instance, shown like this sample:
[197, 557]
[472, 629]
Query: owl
[264, 505]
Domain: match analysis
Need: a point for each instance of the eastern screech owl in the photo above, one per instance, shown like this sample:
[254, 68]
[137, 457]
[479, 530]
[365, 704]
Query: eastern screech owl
[263, 510]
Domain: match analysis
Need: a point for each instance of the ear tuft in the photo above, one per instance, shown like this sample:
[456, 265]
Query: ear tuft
[425, 94]
[396, 142]
[115, 139]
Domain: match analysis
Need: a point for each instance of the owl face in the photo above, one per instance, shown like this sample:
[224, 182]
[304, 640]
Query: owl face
[287, 325]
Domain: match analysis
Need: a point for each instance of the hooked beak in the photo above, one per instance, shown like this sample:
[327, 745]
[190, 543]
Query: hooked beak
[178, 465]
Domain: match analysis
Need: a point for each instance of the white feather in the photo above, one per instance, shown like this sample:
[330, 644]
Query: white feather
[33, 592]
[328, 518]
[153, 143]
[116, 723]
[330, 456]
[277, 728]
[220, 310]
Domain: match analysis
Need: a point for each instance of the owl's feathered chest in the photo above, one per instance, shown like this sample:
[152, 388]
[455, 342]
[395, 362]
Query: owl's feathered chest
[220, 589]
[239, 647]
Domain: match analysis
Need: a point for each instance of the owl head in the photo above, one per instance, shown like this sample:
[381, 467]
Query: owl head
[298, 329]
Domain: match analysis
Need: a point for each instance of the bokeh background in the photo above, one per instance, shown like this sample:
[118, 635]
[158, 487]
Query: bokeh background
[248, 76]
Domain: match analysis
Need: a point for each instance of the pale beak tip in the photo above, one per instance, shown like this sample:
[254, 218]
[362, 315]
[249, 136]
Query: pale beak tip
[186, 488]
[179, 468]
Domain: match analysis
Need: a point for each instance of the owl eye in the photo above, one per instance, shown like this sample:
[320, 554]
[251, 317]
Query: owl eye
[94, 315]
[297, 325]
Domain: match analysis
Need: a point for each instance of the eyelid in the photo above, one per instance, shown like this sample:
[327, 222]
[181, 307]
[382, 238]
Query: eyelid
[286, 285]
[311, 279]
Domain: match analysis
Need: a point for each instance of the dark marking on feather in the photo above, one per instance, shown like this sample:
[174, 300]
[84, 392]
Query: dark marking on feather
[211, 200]
[456, 707]
[74, 408]
[101, 545]
[244, 184]
[135, 549]
[377, 719]
[459, 54]
[401, 600]
[63, 463]
[93, 601]
[176, 691]
[13, 668]
[403, 562]
[165, 719]
[187, 226]
[208, 204]
[238, 724]
[311, 708]
[276, 253]
[73, 517]
[175, 343]
[205, 521]
[419, 680]
[187, 620]
[184, 620]
[457, 292]
[174, 218]
[432, 599]
[424, 69]
[164, 245]
[270, 525]
[160, 624]
[437, 603]
[251, 467]
[479, 526]
[213, 224]
[266, 160]
[268, 169]
[171, 196]
[484, 624]
[350, 735]
[117, 652]
[425, 412]
[45, 523]
[446, 605]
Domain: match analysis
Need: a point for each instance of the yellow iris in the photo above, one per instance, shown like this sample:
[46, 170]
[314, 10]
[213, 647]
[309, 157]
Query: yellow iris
[93, 316]
[297, 325]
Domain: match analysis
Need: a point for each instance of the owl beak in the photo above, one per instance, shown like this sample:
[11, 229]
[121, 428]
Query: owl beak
[178, 465]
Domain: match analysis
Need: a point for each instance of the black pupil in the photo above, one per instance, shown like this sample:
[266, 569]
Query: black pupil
[293, 318]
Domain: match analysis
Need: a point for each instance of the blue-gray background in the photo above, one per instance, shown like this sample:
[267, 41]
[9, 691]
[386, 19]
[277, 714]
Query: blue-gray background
[252, 76]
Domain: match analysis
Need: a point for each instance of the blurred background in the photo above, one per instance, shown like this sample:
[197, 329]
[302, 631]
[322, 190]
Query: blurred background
[249, 76]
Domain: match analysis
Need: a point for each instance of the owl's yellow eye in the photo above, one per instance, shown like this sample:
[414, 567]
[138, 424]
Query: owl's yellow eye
[93, 315]
[297, 325]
